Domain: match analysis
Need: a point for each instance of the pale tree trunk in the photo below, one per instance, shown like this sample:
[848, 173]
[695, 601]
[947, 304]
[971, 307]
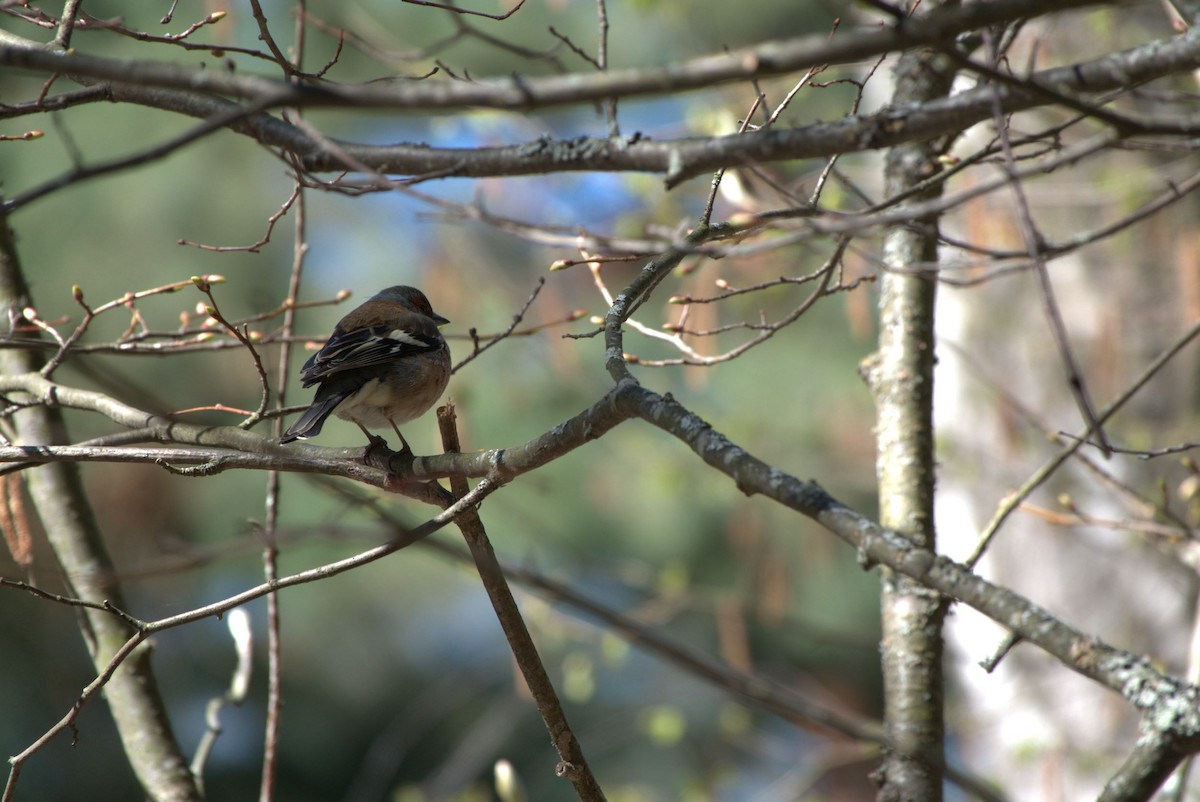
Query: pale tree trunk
[71, 529]
[901, 378]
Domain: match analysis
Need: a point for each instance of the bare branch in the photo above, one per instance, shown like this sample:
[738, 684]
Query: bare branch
[457, 10]
[1035, 243]
[481, 491]
[66, 24]
[1014, 499]
[572, 763]
[774, 58]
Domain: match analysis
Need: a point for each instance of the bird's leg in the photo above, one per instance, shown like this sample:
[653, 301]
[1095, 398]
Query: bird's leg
[404, 449]
[374, 440]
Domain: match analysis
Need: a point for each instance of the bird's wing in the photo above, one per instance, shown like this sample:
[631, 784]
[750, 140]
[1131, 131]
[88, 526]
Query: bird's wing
[363, 348]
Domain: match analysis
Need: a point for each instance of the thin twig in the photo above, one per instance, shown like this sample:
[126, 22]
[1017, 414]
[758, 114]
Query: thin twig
[610, 104]
[242, 334]
[270, 555]
[66, 24]
[1015, 498]
[264, 34]
[127, 301]
[706, 215]
[503, 335]
[266, 237]
[82, 172]
[1035, 245]
[457, 10]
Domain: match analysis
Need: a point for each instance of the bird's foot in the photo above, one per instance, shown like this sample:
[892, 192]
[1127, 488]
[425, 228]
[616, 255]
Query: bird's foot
[374, 442]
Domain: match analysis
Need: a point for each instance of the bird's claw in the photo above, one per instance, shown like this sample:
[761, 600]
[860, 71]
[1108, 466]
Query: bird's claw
[374, 442]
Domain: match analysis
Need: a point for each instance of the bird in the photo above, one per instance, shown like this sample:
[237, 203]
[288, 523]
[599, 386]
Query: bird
[386, 362]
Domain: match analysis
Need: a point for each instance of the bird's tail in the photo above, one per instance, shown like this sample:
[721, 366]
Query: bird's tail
[312, 419]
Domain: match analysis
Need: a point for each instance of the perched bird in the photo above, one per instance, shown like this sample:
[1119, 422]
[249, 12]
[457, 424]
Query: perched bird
[386, 362]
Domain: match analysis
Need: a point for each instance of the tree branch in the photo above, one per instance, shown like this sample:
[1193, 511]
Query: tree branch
[572, 764]
[767, 59]
[181, 90]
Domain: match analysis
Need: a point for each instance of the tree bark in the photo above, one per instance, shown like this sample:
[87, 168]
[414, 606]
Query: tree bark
[901, 378]
[71, 529]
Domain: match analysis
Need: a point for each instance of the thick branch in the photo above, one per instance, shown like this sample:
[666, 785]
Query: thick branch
[1132, 676]
[1145, 770]
[759, 61]
[1173, 704]
[677, 159]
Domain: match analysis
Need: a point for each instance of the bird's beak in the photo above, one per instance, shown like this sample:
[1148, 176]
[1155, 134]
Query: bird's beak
[438, 319]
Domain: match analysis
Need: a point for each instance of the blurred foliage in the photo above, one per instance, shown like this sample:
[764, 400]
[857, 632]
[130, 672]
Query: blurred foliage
[391, 671]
